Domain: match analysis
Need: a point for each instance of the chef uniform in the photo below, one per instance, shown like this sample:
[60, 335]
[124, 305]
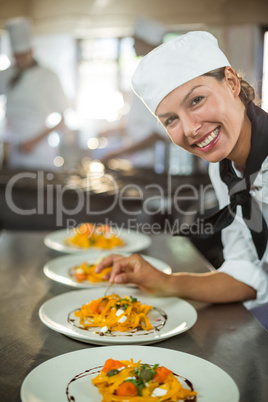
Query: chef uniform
[240, 254]
[243, 215]
[32, 95]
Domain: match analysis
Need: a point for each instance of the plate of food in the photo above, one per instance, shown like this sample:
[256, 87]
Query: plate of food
[129, 373]
[95, 239]
[79, 270]
[121, 315]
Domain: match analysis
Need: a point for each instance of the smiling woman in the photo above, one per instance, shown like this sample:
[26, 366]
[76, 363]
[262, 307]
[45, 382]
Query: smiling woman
[201, 111]
[207, 109]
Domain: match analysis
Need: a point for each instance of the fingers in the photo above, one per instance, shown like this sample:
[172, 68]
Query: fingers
[124, 269]
[136, 270]
[107, 262]
[124, 278]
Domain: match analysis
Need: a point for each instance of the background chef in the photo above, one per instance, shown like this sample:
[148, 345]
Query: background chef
[141, 130]
[33, 93]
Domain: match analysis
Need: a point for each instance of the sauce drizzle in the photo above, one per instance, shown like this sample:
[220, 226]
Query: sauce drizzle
[97, 370]
[158, 323]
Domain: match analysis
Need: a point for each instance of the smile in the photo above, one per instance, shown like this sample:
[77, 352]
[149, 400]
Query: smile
[209, 139]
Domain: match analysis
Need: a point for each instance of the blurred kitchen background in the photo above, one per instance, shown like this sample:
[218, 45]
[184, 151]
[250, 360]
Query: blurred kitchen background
[89, 44]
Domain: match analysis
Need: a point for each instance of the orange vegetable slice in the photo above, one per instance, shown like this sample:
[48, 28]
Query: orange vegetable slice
[127, 389]
[111, 364]
[161, 374]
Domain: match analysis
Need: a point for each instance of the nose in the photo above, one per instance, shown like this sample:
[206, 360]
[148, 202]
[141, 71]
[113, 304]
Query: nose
[191, 125]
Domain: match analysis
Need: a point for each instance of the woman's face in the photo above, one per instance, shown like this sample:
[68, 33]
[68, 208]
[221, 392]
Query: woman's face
[205, 116]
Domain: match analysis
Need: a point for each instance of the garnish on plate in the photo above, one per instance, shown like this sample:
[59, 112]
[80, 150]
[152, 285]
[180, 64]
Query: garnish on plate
[114, 313]
[86, 272]
[89, 235]
[124, 380]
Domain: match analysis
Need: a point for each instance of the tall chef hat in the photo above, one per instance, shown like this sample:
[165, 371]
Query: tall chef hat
[175, 62]
[150, 31]
[19, 30]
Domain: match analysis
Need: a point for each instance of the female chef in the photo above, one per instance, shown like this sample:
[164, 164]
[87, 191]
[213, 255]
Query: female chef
[33, 93]
[207, 109]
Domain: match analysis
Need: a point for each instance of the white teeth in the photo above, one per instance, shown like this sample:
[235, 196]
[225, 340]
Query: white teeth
[209, 138]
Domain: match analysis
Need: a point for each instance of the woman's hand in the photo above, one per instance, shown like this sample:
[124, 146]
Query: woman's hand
[209, 287]
[136, 270]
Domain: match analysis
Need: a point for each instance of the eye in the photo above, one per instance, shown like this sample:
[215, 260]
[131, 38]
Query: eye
[170, 120]
[196, 100]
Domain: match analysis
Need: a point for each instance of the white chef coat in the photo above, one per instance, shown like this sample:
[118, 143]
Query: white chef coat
[241, 259]
[141, 123]
[37, 94]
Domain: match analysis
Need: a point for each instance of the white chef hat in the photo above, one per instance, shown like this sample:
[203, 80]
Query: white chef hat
[20, 34]
[175, 62]
[150, 31]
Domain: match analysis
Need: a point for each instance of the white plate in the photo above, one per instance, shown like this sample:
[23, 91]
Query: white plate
[49, 381]
[180, 316]
[134, 241]
[58, 269]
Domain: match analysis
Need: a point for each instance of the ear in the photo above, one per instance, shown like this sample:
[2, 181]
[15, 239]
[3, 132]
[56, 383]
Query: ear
[232, 81]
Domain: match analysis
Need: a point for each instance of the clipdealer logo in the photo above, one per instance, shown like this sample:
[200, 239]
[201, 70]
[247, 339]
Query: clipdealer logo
[152, 199]
[199, 227]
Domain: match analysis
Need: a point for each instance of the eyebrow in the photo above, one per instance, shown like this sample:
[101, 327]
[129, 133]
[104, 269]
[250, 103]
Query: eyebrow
[190, 92]
[184, 100]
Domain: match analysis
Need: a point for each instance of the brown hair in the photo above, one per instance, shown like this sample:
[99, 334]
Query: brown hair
[247, 92]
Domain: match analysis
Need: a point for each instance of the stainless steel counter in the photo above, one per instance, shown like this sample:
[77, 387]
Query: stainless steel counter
[226, 335]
